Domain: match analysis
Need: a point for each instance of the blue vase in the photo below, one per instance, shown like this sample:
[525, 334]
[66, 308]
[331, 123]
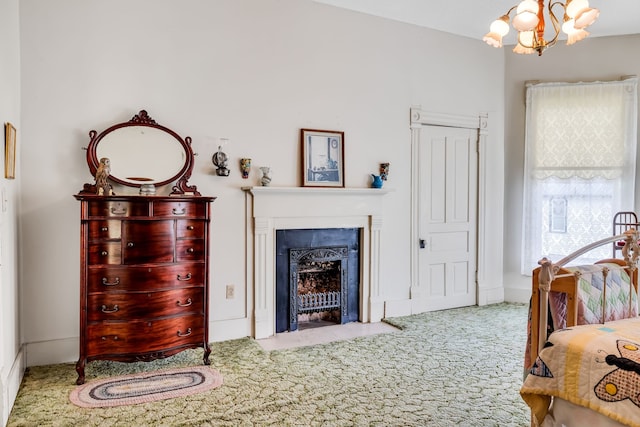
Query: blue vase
[377, 181]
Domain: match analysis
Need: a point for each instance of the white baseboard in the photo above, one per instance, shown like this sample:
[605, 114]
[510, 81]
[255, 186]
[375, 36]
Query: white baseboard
[223, 330]
[519, 288]
[517, 295]
[11, 385]
[397, 308]
[64, 350]
[490, 295]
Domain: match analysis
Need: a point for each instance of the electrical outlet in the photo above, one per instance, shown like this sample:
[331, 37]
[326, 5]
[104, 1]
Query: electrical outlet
[231, 290]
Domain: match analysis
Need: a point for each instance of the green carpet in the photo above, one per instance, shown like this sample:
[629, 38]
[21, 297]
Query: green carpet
[453, 367]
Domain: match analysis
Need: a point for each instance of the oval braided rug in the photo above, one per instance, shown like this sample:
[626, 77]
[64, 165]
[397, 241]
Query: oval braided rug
[145, 387]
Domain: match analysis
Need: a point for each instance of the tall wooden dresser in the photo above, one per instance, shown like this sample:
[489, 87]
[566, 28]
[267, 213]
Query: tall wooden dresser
[144, 278]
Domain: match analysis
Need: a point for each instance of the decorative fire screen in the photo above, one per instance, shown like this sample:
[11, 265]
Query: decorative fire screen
[318, 282]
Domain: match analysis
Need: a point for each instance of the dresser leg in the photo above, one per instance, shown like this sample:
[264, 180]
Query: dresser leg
[80, 371]
[207, 352]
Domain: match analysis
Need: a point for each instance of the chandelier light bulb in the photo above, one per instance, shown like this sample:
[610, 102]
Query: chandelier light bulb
[574, 34]
[500, 26]
[569, 26]
[493, 39]
[586, 17]
[498, 29]
[575, 6]
[525, 43]
[526, 18]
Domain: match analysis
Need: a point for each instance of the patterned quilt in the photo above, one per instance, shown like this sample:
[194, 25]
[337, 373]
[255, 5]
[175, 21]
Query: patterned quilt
[595, 366]
[590, 298]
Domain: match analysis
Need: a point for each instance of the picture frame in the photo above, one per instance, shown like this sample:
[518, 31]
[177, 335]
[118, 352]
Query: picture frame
[322, 158]
[9, 151]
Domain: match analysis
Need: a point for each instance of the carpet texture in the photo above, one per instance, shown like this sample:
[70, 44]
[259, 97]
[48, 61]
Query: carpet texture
[446, 368]
[146, 387]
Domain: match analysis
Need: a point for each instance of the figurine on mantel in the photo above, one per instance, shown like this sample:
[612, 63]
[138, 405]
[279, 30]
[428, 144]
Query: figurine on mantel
[103, 188]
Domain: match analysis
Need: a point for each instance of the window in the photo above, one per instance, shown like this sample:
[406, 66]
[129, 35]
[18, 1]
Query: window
[580, 152]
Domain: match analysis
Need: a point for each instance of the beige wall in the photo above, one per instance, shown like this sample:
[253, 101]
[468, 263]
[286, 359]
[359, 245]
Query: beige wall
[254, 71]
[603, 58]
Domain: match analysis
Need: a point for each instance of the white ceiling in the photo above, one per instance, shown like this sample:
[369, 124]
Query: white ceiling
[471, 18]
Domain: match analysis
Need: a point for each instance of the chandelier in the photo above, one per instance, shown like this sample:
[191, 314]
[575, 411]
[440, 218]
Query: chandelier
[529, 22]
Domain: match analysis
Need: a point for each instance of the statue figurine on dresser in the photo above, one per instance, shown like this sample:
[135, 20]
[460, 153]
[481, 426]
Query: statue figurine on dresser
[103, 188]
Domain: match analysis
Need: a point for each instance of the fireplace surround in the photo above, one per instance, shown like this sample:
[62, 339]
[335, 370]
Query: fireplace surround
[317, 277]
[269, 209]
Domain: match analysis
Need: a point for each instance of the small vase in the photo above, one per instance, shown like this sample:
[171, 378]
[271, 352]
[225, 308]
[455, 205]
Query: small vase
[377, 181]
[384, 171]
[266, 176]
[245, 167]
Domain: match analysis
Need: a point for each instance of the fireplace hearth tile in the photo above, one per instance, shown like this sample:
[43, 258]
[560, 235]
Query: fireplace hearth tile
[324, 335]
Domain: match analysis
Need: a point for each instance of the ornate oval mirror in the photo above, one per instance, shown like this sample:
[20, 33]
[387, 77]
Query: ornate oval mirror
[143, 152]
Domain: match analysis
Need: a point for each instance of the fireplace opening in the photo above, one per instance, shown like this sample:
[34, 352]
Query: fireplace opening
[318, 287]
[317, 277]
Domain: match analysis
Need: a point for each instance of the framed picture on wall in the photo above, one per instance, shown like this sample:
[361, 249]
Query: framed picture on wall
[322, 158]
[9, 151]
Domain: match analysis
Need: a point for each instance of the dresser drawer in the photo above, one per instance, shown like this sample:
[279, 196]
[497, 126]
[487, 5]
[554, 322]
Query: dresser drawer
[104, 253]
[132, 278]
[190, 250]
[119, 209]
[190, 228]
[104, 229]
[179, 209]
[144, 305]
[148, 241]
[136, 336]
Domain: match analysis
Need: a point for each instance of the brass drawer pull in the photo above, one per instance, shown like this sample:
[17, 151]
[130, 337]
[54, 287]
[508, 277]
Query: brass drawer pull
[109, 310]
[104, 253]
[186, 304]
[130, 244]
[115, 338]
[190, 250]
[185, 278]
[186, 334]
[180, 211]
[104, 228]
[119, 210]
[190, 227]
[106, 282]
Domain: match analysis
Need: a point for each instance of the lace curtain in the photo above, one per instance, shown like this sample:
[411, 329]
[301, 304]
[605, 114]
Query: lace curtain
[580, 151]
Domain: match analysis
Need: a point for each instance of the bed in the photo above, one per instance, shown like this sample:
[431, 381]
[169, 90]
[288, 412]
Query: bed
[583, 355]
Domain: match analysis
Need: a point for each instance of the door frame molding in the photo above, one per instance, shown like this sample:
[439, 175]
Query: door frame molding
[420, 118]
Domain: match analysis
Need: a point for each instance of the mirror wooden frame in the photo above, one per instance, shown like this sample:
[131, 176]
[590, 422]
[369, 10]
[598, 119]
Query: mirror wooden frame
[143, 120]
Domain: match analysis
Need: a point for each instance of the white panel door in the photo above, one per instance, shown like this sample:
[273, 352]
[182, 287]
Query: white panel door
[448, 164]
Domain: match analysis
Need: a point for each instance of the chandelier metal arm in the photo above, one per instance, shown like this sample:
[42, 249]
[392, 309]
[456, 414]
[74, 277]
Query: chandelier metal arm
[555, 22]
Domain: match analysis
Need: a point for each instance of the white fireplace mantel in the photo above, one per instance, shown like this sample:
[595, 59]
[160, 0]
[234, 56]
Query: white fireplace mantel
[279, 208]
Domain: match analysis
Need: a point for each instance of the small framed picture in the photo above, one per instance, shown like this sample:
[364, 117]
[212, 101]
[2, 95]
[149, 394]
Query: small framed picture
[322, 158]
[9, 151]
